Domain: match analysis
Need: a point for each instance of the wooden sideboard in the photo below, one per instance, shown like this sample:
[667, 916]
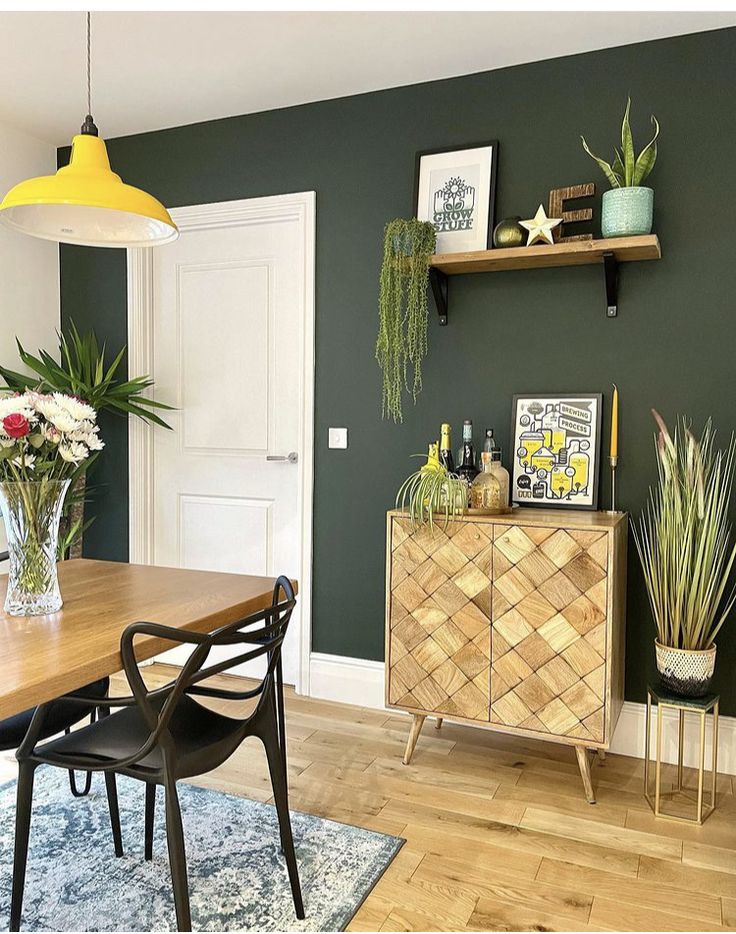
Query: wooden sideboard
[513, 623]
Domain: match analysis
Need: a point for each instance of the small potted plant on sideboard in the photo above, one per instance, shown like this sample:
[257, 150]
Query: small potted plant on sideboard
[627, 209]
[684, 542]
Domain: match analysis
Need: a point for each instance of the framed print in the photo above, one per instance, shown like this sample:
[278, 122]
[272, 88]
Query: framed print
[455, 189]
[556, 450]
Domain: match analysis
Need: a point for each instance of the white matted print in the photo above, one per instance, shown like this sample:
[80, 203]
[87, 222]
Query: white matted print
[556, 450]
[455, 190]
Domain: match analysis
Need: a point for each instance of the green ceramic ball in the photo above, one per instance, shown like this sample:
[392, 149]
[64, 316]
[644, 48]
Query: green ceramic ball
[509, 233]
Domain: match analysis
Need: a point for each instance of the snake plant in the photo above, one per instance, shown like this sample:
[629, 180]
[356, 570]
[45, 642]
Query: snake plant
[430, 491]
[628, 170]
[684, 537]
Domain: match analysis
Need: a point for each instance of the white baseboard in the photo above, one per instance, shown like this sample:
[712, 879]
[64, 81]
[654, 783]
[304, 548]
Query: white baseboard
[361, 682]
[356, 681]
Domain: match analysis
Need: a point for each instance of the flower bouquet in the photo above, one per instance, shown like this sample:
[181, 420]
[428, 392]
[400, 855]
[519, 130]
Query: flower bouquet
[44, 441]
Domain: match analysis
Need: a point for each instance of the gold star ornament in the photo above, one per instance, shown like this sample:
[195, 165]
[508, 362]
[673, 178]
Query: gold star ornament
[540, 227]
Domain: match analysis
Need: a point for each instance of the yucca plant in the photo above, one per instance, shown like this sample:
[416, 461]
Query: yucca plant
[431, 491]
[684, 537]
[83, 370]
[627, 169]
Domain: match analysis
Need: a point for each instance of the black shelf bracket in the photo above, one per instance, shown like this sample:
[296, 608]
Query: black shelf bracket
[440, 290]
[610, 268]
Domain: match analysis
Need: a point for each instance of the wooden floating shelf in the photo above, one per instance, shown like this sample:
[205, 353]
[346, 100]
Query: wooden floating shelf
[609, 253]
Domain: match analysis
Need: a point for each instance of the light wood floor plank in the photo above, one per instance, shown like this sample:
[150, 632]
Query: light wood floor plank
[620, 915]
[688, 878]
[589, 831]
[652, 895]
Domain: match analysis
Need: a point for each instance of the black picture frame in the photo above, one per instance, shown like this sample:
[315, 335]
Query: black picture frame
[493, 145]
[547, 502]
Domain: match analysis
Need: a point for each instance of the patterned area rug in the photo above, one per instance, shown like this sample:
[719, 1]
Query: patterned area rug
[237, 876]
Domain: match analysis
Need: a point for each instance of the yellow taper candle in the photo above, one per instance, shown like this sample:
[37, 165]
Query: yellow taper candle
[614, 423]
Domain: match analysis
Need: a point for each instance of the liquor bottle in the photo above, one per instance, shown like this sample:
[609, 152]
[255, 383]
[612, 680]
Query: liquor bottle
[446, 458]
[467, 469]
[489, 443]
[502, 475]
[485, 491]
[433, 461]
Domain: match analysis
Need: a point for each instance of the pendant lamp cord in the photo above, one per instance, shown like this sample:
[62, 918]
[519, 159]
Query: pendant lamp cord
[89, 63]
[88, 127]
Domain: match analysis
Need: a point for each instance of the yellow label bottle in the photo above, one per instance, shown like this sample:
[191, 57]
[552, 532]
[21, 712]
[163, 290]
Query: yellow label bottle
[433, 460]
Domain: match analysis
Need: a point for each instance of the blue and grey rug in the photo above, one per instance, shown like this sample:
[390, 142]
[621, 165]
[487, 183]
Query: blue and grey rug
[237, 876]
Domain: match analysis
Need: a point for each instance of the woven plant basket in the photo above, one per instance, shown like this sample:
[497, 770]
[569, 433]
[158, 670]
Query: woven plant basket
[687, 672]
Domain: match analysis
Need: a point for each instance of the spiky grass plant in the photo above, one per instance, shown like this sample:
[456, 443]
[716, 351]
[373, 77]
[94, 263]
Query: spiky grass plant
[402, 306]
[628, 170]
[684, 537]
[430, 492]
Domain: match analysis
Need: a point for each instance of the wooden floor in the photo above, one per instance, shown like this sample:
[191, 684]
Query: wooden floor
[499, 836]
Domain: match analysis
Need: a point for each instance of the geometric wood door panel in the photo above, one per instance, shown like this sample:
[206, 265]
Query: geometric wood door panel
[440, 651]
[548, 670]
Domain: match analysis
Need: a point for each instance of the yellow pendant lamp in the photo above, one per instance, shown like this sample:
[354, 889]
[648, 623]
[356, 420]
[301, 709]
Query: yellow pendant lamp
[86, 202]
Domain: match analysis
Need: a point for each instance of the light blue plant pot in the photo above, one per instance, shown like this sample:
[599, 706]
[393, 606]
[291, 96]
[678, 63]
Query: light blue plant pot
[627, 212]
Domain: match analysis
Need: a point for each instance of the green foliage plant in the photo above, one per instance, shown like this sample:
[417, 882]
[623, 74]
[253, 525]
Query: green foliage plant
[83, 371]
[628, 170]
[684, 537]
[403, 315]
[430, 492]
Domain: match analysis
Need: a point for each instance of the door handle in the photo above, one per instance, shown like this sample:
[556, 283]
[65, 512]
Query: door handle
[292, 457]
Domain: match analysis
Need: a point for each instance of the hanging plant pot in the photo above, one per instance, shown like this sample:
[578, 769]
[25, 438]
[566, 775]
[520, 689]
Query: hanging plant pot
[686, 671]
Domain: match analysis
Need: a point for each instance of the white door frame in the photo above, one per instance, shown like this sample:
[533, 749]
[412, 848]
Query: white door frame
[302, 208]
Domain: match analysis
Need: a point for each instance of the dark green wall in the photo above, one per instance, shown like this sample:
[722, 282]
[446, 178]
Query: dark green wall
[542, 331]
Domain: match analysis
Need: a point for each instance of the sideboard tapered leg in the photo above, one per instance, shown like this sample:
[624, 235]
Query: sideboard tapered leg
[416, 728]
[601, 753]
[584, 766]
[438, 723]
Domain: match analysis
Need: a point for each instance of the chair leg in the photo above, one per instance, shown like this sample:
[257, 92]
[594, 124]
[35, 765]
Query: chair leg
[22, 831]
[150, 811]
[112, 803]
[88, 775]
[281, 798]
[177, 856]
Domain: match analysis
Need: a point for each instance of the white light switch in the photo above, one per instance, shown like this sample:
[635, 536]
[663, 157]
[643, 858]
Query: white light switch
[337, 437]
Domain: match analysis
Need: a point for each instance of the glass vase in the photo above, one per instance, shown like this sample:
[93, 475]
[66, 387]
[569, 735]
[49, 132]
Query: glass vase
[31, 512]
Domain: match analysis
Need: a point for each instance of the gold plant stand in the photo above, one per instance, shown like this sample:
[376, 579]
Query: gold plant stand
[701, 706]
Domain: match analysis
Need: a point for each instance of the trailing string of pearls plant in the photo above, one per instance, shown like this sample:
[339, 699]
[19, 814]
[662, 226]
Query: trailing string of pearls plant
[403, 315]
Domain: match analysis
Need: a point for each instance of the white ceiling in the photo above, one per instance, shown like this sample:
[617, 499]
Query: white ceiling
[154, 70]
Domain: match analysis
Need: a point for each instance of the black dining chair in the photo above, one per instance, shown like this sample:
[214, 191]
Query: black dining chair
[163, 735]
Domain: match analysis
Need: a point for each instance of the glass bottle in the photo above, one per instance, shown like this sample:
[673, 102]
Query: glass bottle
[485, 491]
[467, 469]
[489, 443]
[502, 475]
[433, 460]
[446, 458]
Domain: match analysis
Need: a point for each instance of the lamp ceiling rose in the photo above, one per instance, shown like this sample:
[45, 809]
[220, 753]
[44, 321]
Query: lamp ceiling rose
[85, 202]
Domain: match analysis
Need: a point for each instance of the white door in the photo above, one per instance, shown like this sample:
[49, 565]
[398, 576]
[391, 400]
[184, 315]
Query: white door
[228, 337]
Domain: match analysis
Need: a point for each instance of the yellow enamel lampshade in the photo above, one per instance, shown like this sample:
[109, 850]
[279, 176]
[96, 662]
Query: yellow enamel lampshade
[88, 204]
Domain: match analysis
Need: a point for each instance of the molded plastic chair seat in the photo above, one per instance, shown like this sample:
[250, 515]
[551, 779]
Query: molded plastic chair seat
[61, 715]
[200, 736]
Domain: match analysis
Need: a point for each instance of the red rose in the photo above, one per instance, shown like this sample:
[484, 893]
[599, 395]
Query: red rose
[16, 425]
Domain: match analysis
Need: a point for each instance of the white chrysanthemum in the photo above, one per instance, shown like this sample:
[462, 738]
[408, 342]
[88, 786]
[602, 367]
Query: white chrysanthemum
[64, 422]
[10, 405]
[24, 460]
[77, 409]
[6, 442]
[95, 443]
[73, 453]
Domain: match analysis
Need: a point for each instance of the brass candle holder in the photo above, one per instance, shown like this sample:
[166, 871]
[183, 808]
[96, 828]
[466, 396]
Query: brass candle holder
[613, 461]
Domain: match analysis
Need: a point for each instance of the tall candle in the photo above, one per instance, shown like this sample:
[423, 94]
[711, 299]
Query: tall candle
[614, 423]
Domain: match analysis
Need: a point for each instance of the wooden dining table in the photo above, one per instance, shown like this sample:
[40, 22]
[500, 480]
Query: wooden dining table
[43, 657]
